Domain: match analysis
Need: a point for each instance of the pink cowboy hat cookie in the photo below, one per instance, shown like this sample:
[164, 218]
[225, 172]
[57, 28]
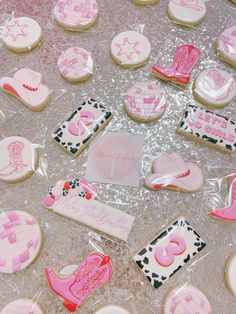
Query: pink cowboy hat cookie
[26, 85]
[170, 171]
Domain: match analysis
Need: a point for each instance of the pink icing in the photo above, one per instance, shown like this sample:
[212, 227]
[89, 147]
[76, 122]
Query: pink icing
[189, 4]
[15, 30]
[127, 48]
[79, 128]
[227, 43]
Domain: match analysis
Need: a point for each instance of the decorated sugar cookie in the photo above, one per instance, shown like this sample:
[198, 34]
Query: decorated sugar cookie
[186, 299]
[215, 87]
[112, 309]
[130, 49]
[171, 172]
[20, 240]
[26, 85]
[21, 34]
[226, 45]
[187, 12]
[75, 64]
[145, 102]
[230, 274]
[18, 159]
[76, 287]
[22, 306]
[145, 2]
[76, 15]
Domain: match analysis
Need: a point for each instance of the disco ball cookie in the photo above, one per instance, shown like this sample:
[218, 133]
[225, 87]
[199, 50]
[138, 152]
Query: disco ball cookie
[187, 12]
[214, 87]
[20, 240]
[112, 309]
[130, 49]
[22, 306]
[75, 64]
[21, 34]
[145, 102]
[145, 2]
[226, 45]
[76, 15]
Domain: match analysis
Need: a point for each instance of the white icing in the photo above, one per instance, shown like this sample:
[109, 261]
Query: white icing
[215, 87]
[22, 306]
[227, 45]
[112, 309]
[21, 33]
[231, 274]
[130, 49]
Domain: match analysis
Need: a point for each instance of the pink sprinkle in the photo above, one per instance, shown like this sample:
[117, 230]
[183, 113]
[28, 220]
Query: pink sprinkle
[13, 216]
[24, 256]
[3, 262]
[30, 244]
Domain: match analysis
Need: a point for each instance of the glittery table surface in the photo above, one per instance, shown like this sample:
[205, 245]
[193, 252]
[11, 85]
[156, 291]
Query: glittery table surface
[66, 242]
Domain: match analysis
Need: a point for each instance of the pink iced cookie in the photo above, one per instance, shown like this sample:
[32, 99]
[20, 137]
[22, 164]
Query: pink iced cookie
[76, 14]
[20, 240]
[226, 45]
[186, 299]
[22, 306]
[145, 102]
[75, 64]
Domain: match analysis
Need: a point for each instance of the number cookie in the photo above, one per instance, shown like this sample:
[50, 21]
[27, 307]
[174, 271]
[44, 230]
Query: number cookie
[112, 309]
[22, 306]
[230, 274]
[21, 34]
[226, 45]
[214, 87]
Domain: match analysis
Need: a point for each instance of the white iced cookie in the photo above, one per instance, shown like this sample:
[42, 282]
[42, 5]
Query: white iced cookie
[145, 2]
[76, 15]
[21, 34]
[18, 159]
[214, 87]
[130, 49]
[230, 274]
[75, 64]
[22, 306]
[112, 309]
[226, 45]
[145, 102]
[187, 12]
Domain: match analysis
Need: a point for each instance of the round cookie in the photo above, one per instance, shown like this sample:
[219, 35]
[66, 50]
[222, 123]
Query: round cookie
[145, 102]
[18, 159]
[186, 299]
[130, 49]
[20, 240]
[21, 34]
[214, 87]
[22, 306]
[76, 15]
[76, 64]
[230, 274]
[187, 12]
[145, 2]
[226, 45]
[112, 309]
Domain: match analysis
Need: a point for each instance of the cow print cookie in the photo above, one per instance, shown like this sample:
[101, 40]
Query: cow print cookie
[208, 128]
[168, 252]
[81, 126]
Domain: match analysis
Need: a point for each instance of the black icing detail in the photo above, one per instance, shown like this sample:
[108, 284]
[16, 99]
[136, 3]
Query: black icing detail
[209, 139]
[142, 252]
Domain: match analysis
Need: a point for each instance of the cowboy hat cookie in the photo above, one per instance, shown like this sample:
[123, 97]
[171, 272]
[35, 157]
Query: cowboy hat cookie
[226, 45]
[214, 87]
[76, 15]
[112, 309]
[20, 240]
[187, 12]
[170, 171]
[75, 64]
[186, 299]
[21, 34]
[18, 159]
[26, 85]
[146, 2]
[130, 49]
[230, 274]
[145, 102]
[22, 306]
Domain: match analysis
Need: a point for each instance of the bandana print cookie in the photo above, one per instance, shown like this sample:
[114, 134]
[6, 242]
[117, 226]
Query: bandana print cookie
[18, 159]
[145, 102]
[186, 299]
[26, 85]
[75, 64]
[226, 45]
[20, 240]
[21, 34]
[230, 274]
[112, 309]
[168, 252]
[187, 12]
[215, 87]
[22, 306]
[76, 15]
[130, 49]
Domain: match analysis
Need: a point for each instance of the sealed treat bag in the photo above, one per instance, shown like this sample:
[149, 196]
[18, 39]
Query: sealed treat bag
[111, 309]
[22, 306]
[226, 45]
[230, 269]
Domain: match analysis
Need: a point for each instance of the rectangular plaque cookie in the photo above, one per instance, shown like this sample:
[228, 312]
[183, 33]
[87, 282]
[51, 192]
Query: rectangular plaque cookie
[82, 125]
[208, 128]
[168, 252]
